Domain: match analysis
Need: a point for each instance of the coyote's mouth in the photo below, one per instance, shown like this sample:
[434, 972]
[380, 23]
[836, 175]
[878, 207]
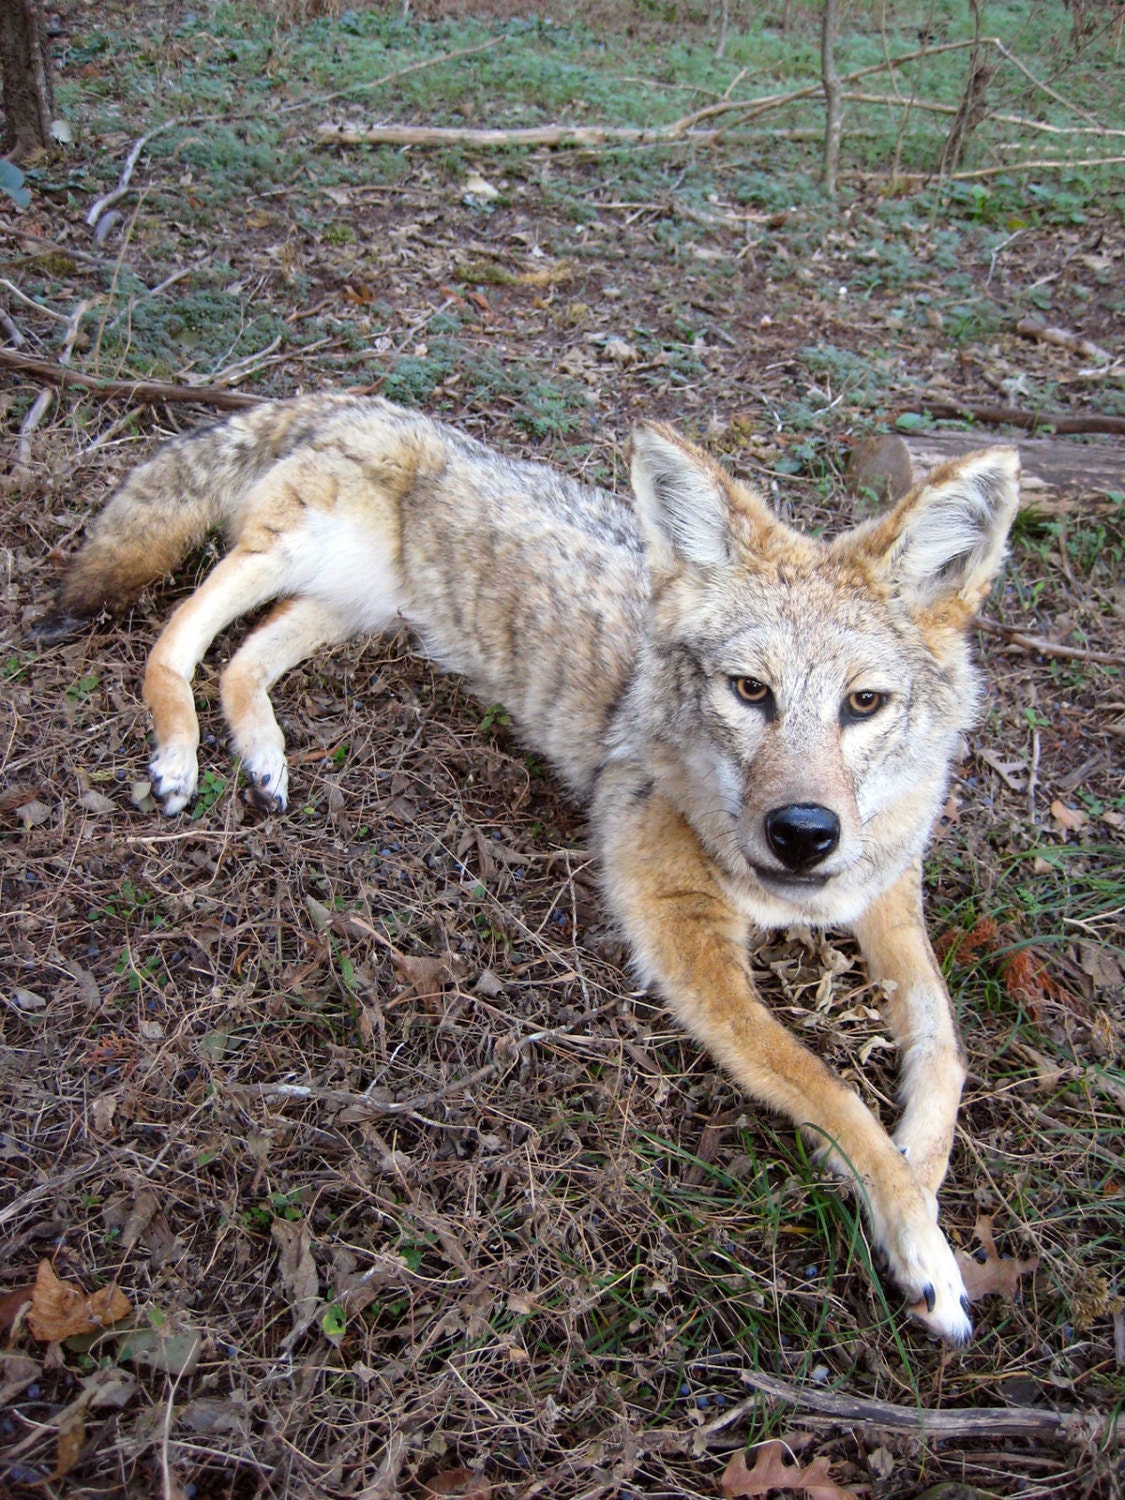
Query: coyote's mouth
[787, 879]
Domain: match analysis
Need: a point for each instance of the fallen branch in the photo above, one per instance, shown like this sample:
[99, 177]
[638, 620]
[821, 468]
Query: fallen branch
[1035, 328]
[534, 135]
[149, 392]
[1043, 647]
[833, 1408]
[1013, 416]
[677, 132]
[1043, 164]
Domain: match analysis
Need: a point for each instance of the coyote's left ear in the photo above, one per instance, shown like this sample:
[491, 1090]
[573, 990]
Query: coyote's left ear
[945, 540]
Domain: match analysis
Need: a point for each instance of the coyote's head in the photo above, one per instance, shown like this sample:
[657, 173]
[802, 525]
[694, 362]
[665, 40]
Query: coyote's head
[800, 699]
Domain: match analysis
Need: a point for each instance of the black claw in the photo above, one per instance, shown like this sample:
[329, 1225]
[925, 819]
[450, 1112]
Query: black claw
[930, 1297]
[259, 797]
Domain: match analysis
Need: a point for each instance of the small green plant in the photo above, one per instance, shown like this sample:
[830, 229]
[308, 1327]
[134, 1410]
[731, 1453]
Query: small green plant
[79, 691]
[496, 717]
[212, 787]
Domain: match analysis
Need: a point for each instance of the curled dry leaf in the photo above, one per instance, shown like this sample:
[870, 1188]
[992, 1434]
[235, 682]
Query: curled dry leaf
[996, 1273]
[11, 1305]
[461, 1483]
[298, 1272]
[60, 1310]
[1068, 819]
[772, 1471]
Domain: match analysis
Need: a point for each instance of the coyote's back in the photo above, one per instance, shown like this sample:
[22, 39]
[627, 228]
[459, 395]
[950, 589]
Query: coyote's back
[762, 722]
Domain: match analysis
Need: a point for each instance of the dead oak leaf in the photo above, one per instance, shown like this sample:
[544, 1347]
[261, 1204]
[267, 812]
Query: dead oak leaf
[772, 1471]
[461, 1483]
[298, 1273]
[996, 1272]
[60, 1310]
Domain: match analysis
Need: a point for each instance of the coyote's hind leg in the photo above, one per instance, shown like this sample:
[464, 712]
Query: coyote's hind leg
[293, 631]
[242, 581]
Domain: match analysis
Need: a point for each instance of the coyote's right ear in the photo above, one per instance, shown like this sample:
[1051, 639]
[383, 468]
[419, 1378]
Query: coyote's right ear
[682, 500]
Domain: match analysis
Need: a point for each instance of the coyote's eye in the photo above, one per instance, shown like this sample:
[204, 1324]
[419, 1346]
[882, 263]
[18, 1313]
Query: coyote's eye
[862, 705]
[750, 690]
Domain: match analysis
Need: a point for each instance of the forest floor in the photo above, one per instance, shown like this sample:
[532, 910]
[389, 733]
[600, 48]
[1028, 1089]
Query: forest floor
[408, 1189]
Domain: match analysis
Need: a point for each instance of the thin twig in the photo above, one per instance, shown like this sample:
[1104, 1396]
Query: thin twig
[834, 1408]
[45, 396]
[99, 206]
[1043, 164]
[378, 83]
[48, 312]
[1043, 647]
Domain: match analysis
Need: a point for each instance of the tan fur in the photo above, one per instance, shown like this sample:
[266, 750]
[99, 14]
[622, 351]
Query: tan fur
[761, 721]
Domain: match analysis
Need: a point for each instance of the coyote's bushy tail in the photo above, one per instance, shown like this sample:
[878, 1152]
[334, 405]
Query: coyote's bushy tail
[192, 486]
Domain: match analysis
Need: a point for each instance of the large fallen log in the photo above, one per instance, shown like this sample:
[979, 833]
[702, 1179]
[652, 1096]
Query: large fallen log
[1059, 471]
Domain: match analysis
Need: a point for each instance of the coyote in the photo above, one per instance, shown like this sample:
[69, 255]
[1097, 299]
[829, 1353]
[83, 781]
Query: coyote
[760, 722]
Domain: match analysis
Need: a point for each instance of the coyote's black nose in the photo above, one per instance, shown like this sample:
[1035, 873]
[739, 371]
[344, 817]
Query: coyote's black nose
[802, 834]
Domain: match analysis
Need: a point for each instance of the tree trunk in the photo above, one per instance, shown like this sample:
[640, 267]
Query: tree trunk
[833, 104]
[29, 105]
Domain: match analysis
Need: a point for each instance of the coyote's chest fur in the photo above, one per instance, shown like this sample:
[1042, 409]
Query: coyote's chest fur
[762, 722]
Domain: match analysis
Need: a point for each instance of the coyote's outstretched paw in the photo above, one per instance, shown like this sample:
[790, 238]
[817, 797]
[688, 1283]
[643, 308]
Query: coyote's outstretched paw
[268, 773]
[174, 772]
[920, 1260]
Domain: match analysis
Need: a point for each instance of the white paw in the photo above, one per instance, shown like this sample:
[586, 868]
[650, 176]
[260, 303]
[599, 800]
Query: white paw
[268, 771]
[920, 1260]
[174, 773]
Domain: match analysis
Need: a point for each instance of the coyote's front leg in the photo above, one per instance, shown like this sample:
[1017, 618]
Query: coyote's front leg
[690, 942]
[892, 937]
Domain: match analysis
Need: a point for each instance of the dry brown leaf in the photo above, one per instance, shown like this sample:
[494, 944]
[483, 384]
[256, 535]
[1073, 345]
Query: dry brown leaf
[462, 1483]
[996, 1273]
[60, 1310]
[298, 1272]
[1068, 819]
[771, 1471]
[10, 1305]
[108, 1387]
[425, 976]
[17, 1371]
[71, 1438]
[144, 1210]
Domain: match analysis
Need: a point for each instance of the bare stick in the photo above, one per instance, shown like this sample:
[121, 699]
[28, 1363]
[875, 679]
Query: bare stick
[534, 135]
[1016, 416]
[989, 1421]
[378, 83]
[1043, 647]
[1036, 328]
[109, 199]
[1038, 82]
[48, 312]
[43, 400]
[1044, 164]
[149, 392]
